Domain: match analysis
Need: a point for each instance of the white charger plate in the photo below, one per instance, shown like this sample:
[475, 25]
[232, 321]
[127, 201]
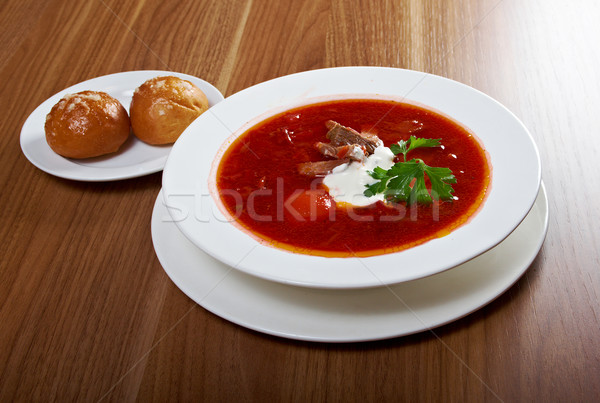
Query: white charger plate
[325, 315]
[189, 176]
[135, 158]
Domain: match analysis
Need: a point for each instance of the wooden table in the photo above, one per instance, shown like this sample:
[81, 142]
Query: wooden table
[87, 312]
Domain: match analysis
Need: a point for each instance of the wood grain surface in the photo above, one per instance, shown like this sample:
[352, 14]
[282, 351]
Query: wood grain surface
[87, 312]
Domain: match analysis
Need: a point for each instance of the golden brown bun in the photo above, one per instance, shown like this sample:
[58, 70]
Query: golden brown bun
[163, 107]
[86, 124]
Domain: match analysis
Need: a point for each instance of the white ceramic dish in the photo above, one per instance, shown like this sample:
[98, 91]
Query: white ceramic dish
[514, 187]
[135, 158]
[346, 315]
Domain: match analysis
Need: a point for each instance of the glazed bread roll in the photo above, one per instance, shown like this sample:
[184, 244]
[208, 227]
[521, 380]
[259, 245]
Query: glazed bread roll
[163, 107]
[86, 124]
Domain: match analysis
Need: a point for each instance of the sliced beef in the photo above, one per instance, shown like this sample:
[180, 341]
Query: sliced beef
[319, 168]
[341, 135]
[352, 151]
[327, 149]
[345, 145]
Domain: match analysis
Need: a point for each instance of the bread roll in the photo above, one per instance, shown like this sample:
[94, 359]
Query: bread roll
[87, 124]
[163, 107]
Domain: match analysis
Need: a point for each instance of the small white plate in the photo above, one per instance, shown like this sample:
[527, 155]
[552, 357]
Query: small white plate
[346, 315]
[189, 176]
[135, 158]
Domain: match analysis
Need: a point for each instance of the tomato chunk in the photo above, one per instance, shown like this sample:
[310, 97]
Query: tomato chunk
[310, 205]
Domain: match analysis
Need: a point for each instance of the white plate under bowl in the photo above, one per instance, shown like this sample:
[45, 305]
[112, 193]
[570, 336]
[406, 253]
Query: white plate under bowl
[188, 174]
[135, 158]
[346, 315]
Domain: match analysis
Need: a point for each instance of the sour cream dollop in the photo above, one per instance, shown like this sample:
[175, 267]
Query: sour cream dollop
[346, 183]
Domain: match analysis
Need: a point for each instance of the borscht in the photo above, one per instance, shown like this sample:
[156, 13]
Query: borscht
[353, 177]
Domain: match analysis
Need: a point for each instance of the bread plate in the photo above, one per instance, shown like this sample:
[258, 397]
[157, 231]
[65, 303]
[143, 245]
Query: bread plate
[135, 158]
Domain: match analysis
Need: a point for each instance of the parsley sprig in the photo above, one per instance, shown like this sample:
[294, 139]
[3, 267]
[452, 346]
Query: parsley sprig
[404, 146]
[405, 181]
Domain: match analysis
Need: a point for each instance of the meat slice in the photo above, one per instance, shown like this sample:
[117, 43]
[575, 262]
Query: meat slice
[345, 145]
[320, 168]
[352, 151]
[327, 149]
[341, 135]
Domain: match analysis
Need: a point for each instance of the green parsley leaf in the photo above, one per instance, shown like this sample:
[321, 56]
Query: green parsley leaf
[378, 187]
[405, 181]
[404, 146]
[400, 148]
[379, 173]
[441, 179]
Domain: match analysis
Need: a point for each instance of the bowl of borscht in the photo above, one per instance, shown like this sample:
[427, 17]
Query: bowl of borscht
[351, 177]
